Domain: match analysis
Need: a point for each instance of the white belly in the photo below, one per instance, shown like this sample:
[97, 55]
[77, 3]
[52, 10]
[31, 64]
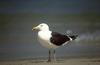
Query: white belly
[44, 39]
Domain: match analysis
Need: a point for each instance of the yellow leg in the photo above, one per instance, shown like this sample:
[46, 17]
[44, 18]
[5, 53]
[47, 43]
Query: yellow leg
[49, 58]
[54, 55]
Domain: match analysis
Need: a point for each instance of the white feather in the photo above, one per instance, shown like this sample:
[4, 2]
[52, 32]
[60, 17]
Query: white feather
[44, 39]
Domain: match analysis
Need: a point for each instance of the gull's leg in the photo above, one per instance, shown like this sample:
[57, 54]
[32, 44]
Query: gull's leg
[54, 55]
[49, 58]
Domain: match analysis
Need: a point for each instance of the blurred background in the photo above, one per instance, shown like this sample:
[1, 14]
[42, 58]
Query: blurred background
[17, 17]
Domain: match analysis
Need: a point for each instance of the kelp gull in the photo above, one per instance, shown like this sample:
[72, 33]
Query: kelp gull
[51, 40]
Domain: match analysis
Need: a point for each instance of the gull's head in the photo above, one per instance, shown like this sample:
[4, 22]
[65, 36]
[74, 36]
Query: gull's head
[41, 27]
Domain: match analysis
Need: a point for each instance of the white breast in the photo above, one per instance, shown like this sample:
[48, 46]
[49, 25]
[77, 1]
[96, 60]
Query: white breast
[44, 39]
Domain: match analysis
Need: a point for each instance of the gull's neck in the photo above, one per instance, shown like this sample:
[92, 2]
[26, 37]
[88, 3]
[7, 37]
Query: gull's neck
[45, 30]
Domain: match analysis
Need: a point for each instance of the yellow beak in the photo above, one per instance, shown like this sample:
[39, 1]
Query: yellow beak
[34, 28]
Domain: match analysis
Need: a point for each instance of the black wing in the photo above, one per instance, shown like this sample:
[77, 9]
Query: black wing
[58, 39]
[73, 37]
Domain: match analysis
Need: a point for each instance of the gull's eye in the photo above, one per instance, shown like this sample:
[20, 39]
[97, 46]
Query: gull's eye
[41, 25]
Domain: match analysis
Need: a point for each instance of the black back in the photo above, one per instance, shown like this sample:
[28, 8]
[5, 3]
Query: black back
[58, 39]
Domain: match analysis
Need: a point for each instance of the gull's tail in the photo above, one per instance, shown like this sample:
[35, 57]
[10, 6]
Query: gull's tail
[73, 37]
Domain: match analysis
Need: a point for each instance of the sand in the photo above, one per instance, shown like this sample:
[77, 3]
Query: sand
[75, 61]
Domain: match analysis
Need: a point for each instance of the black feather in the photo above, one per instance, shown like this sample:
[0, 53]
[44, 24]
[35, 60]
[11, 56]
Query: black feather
[58, 39]
[73, 37]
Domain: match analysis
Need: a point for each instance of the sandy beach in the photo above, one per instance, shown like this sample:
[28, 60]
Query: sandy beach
[75, 61]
